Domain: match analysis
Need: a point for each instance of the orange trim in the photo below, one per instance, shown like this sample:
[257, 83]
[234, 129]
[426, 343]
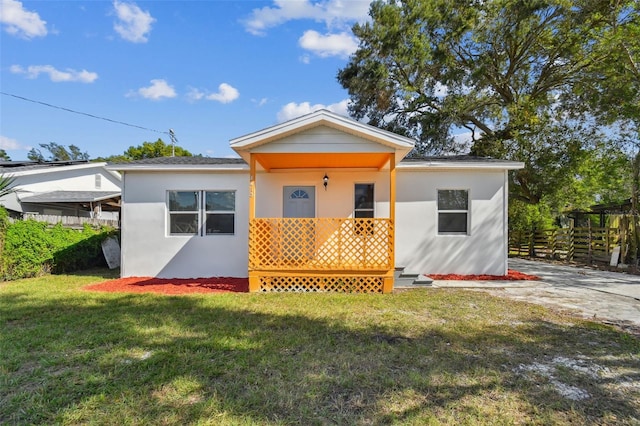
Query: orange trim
[322, 160]
[254, 281]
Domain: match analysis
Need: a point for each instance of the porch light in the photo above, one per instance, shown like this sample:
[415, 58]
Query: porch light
[325, 181]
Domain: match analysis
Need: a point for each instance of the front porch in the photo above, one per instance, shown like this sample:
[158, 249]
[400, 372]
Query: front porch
[321, 254]
[309, 234]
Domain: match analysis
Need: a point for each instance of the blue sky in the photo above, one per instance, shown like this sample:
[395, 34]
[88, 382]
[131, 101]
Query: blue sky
[210, 70]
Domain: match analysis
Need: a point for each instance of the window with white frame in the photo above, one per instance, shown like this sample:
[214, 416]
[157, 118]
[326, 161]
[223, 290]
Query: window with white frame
[363, 200]
[201, 212]
[220, 209]
[453, 211]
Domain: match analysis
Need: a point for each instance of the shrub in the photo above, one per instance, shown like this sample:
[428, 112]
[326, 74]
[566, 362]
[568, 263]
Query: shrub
[34, 248]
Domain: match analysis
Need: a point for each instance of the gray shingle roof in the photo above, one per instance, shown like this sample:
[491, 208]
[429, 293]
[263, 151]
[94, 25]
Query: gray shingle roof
[456, 158]
[19, 166]
[185, 161]
[71, 197]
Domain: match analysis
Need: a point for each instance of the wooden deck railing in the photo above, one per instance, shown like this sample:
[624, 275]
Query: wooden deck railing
[320, 244]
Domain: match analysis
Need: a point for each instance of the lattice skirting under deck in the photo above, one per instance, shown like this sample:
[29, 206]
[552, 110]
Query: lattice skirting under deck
[329, 283]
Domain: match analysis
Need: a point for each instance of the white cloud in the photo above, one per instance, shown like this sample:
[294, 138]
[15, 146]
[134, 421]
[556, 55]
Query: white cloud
[342, 44]
[260, 102]
[334, 13]
[20, 22]
[57, 76]
[134, 24]
[159, 89]
[8, 143]
[293, 110]
[195, 94]
[226, 94]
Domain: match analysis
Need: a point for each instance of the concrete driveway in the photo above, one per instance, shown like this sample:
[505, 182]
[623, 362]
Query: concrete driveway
[607, 296]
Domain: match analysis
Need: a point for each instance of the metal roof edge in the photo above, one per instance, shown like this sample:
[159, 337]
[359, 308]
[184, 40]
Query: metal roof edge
[460, 165]
[53, 169]
[178, 167]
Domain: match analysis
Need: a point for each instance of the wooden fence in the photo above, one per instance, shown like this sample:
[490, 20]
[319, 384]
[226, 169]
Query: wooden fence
[71, 221]
[588, 245]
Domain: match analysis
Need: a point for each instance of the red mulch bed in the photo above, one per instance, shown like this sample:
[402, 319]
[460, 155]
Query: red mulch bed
[241, 285]
[173, 286]
[511, 276]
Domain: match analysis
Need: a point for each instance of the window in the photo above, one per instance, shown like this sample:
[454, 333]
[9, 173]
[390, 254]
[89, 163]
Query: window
[184, 212]
[299, 194]
[363, 208]
[201, 212]
[363, 203]
[453, 211]
[220, 212]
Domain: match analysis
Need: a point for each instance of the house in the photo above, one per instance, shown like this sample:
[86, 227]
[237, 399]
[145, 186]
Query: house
[76, 188]
[321, 202]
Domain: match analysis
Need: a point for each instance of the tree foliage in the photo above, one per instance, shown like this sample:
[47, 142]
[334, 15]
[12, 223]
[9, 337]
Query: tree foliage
[7, 185]
[148, 150]
[4, 156]
[506, 71]
[57, 152]
[154, 150]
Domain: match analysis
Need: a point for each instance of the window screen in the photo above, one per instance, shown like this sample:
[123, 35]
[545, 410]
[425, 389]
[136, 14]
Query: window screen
[453, 211]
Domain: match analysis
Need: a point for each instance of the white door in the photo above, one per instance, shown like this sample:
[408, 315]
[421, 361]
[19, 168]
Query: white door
[299, 201]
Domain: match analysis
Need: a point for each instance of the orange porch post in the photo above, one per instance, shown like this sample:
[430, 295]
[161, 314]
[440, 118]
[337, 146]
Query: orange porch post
[254, 281]
[387, 286]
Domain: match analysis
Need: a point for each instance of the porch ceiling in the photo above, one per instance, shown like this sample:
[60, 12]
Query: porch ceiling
[322, 160]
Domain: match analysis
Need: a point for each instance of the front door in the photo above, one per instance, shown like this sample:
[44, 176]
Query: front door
[299, 201]
[298, 242]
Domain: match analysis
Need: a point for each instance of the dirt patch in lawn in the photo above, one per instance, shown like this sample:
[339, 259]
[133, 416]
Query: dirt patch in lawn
[173, 286]
[511, 276]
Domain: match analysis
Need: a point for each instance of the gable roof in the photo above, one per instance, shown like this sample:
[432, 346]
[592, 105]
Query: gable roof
[181, 163]
[243, 145]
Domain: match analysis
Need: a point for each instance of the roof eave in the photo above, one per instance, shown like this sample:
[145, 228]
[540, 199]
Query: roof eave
[43, 170]
[178, 167]
[319, 118]
[459, 165]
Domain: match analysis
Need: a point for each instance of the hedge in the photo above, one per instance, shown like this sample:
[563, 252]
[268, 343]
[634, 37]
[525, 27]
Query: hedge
[29, 248]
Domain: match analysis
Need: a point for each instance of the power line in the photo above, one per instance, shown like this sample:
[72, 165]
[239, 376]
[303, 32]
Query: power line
[84, 113]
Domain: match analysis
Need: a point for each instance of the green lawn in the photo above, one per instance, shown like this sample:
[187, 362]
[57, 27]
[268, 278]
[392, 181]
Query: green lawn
[416, 357]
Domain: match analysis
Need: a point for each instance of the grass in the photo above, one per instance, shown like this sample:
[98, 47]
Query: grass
[417, 357]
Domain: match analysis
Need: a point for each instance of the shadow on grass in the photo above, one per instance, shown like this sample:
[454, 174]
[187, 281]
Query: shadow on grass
[249, 359]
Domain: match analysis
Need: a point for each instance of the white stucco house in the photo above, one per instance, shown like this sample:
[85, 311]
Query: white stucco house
[321, 202]
[76, 188]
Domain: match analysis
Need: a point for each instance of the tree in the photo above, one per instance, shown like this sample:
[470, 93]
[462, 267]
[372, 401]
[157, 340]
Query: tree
[501, 69]
[147, 150]
[57, 153]
[4, 156]
[611, 90]
[6, 185]
[154, 150]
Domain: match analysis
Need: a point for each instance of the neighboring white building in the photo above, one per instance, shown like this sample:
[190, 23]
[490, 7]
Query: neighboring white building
[321, 202]
[63, 188]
